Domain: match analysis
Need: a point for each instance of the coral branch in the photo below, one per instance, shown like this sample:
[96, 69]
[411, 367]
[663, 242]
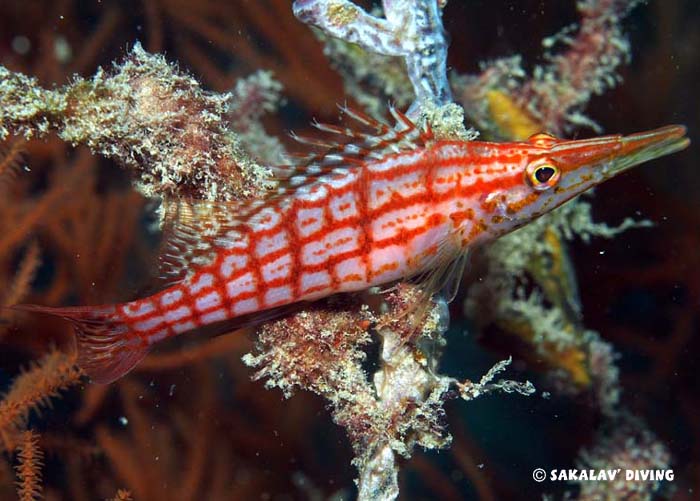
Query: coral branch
[147, 116]
[547, 315]
[33, 390]
[21, 284]
[375, 366]
[411, 29]
[27, 109]
[625, 444]
[29, 462]
[371, 79]
[251, 98]
[469, 390]
[10, 157]
[321, 350]
[557, 92]
[554, 96]
[212, 348]
[28, 220]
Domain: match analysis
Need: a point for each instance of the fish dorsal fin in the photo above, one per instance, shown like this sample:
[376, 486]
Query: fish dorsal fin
[195, 231]
[346, 147]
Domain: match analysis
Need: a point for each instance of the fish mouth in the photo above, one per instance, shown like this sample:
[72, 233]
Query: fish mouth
[644, 146]
[611, 155]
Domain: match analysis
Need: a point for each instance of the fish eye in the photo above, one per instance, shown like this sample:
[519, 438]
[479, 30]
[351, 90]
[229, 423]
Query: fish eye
[542, 175]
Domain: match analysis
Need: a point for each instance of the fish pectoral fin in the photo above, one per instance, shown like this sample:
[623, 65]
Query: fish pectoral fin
[107, 350]
[452, 276]
[443, 275]
[444, 269]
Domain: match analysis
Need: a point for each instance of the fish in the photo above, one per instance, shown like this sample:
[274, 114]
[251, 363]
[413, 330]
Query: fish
[381, 202]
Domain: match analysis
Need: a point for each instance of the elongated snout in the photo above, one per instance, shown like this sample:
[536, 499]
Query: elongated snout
[607, 156]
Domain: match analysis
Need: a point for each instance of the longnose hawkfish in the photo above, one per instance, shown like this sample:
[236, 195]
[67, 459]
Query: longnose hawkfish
[375, 207]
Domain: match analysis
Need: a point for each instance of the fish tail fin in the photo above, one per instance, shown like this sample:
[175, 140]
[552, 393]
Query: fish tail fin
[107, 347]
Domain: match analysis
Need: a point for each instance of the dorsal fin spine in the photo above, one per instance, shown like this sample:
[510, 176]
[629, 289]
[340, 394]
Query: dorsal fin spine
[352, 148]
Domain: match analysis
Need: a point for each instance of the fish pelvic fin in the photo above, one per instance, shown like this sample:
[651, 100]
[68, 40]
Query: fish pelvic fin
[107, 347]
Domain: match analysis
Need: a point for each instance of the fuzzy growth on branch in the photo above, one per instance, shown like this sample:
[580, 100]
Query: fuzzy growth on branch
[385, 414]
[553, 97]
[147, 116]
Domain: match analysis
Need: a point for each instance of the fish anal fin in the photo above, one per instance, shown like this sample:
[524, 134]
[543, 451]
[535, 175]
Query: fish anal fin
[107, 349]
[253, 320]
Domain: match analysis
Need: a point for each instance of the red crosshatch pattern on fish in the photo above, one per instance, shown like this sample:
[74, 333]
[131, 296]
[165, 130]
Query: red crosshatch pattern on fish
[371, 209]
